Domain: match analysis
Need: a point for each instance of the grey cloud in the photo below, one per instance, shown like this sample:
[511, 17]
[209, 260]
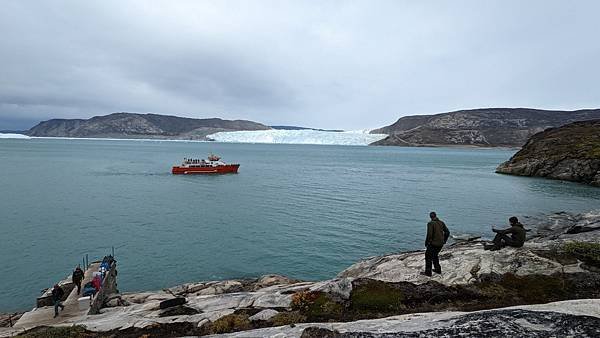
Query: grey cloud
[337, 64]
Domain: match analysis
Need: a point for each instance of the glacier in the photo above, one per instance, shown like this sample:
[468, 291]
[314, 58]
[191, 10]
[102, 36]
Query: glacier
[10, 135]
[308, 136]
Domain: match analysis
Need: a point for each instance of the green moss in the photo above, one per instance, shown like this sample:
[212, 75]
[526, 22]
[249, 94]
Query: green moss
[533, 289]
[589, 253]
[231, 323]
[287, 318]
[316, 306]
[493, 291]
[76, 331]
[557, 255]
[376, 296]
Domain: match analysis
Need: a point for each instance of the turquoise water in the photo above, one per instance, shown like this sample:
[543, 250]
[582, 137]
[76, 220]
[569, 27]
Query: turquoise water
[298, 210]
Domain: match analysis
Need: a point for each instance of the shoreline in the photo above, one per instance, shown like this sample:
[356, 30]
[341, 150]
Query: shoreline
[442, 146]
[455, 238]
[476, 283]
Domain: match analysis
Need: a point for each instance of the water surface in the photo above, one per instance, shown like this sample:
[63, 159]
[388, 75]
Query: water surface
[298, 210]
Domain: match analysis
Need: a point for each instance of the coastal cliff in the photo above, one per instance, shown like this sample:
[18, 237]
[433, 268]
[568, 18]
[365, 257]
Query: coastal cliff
[558, 269]
[490, 127]
[571, 153]
[130, 125]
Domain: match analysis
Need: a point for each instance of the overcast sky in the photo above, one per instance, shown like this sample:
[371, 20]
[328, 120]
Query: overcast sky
[328, 64]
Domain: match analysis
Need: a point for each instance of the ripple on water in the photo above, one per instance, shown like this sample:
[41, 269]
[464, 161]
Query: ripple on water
[302, 211]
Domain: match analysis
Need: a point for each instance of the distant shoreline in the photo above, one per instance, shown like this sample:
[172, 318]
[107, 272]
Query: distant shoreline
[449, 146]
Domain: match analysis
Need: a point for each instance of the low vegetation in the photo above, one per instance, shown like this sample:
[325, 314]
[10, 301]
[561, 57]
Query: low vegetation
[377, 296]
[316, 306]
[57, 332]
[231, 323]
[588, 253]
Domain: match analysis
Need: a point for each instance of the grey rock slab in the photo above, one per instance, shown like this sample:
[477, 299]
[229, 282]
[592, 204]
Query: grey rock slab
[264, 315]
[270, 280]
[220, 302]
[266, 300]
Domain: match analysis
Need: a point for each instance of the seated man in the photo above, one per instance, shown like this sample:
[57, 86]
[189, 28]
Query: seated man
[502, 239]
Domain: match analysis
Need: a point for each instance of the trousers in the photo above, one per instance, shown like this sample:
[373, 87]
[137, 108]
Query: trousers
[432, 257]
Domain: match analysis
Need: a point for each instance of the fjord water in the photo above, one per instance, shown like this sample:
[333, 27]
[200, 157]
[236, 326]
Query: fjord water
[298, 210]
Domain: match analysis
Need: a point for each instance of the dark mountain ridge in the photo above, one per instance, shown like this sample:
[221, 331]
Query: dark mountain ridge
[134, 125]
[509, 127]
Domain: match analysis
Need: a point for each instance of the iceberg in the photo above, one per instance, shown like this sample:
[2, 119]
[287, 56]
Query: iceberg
[309, 136]
[5, 135]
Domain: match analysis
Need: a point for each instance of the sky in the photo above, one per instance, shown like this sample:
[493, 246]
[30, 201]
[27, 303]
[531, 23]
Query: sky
[327, 64]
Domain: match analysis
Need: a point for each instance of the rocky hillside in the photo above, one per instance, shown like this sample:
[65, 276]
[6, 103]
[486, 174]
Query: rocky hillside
[571, 153]
[490, 127]
[130, 125]
[558, 268]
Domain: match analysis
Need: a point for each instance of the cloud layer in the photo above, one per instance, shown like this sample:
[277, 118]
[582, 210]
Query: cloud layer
[335, 64]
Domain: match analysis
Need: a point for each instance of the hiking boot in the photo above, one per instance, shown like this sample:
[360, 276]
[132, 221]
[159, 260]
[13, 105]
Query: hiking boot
[488, 246]
[439, 272]
[425, 273]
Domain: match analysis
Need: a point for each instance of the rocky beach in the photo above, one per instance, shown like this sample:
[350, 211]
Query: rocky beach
[550, 286]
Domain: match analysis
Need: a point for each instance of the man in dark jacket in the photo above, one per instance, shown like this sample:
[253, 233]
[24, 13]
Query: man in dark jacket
[77, 278]
[57, 295]
[516, 239]
[437, 235]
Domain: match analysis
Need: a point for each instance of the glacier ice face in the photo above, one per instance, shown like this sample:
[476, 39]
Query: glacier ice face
[359, 137]
[4, 135]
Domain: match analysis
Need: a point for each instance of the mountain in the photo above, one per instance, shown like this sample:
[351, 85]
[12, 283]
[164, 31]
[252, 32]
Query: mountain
[12, 132]
[571, 152]
[131, 125]
[491, 127]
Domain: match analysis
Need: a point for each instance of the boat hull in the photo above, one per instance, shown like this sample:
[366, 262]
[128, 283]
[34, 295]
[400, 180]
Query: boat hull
[221, 169]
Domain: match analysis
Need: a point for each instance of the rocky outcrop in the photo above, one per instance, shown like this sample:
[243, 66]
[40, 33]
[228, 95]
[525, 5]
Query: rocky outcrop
[570, 153]
[560, 319]
[130, 125]
[559, 265]
[9, 319]
[491, 127]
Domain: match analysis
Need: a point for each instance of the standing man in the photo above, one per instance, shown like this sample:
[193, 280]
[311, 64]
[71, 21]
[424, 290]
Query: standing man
[437, 235]
[57, 295]
[77, 278]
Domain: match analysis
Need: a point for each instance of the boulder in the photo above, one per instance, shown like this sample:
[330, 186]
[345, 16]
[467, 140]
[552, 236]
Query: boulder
[172, 302]
[270, 280]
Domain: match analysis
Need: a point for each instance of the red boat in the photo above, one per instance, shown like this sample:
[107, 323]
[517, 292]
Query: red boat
[213, 165]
